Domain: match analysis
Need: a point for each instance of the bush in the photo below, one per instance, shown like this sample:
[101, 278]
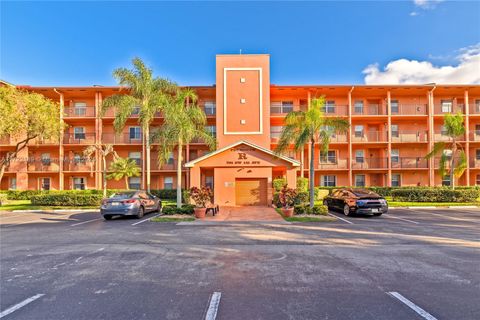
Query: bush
[27, 194]
[185, 209]
[165, 193]
[302, 184]
[435, 195]
[287, 197]
[67, 199]
[320, 210]
[276, 200]
[3, 198]
[278, 184]
[302, 197]
[305, 209]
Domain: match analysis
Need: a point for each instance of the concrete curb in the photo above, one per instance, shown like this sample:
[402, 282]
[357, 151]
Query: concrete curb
[58, 210]
[439, 207]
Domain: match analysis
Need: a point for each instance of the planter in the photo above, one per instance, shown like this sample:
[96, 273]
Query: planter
[287, 212]
[200, 212]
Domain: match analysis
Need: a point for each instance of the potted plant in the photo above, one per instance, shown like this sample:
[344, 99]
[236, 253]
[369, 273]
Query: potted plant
[201, 197]
[287, 200]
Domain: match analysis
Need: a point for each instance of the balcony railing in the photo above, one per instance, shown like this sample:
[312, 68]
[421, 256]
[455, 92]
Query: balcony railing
[209, 110]
[409, 163]
[369, 163]
[410, 109]
[170, 166]
[5, 140]
[121, 138]
[40, 141]
[474, 135]
[71, 165]
[409, 136]
[79, 112]
[370, 136]
[474, 108]
[281, 109]
[439, 136]
[79, 138]
[335, 110]
[455, 108]
[333, 164]
[43, 166]
[369, 110]
[475, 163]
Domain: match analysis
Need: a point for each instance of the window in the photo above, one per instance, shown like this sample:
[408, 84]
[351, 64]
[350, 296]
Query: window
[448, 153]
[78, 158]
[360, 180]
[79, 133]
[358, 106]
[395, 156]
[134, 183]
[359, 131]
[80, 108]
[446, 181]
[477, 106]
[329, 157]
[443, 130]
[135, 133]
[477, 154]
[171, 159]
[209, 182]
[13, 183]
[287, 106]
[359, 156]
[329, 181]
[394, 106]
[209, 108]
[135, 156]
[78, 183]
[477, 129]
[478, 180]
[396, 180]
[168, 183]
[395, 132]
[44, 183]
[136, 111]
[446, 105]
[45, 158]
[276, 131]
[330, 106]
[212, 130]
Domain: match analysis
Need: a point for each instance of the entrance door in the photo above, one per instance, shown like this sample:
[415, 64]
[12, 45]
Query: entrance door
[251, 192]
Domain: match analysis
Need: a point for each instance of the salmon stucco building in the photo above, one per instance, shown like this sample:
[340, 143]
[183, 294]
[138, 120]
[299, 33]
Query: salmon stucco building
[392, 128]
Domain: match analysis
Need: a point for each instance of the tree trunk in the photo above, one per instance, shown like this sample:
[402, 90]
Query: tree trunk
[312, 173]
[147, 151]
[2, 171]
[104, 175]
[179, 174]
[126, 183]
[452, 164]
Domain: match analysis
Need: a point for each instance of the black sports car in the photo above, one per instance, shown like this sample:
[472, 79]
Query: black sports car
[352, 201]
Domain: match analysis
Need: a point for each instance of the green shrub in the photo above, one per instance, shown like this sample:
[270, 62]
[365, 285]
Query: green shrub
[302, 184]
[320, 210]
[301, 209]
[165, 193]
[185, 209]
[276, 200]
[302, 197]
[66, 199]
[278, 184]
[3, 198]
[305, 209]
[435, 195]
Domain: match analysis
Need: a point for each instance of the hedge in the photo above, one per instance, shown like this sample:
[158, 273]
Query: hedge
[3, 198]
[185, 209]
[316, 210]
[436, 195]
[70, 199]
[27, 194]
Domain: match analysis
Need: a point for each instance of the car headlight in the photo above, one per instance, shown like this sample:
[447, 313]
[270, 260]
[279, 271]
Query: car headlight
[383, 202]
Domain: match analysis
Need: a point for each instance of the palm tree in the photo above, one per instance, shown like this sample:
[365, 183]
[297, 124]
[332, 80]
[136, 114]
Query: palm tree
[104, 150]
[123, 168]
[311, 126]
[184, 122]
[146, 94]
[451, 151]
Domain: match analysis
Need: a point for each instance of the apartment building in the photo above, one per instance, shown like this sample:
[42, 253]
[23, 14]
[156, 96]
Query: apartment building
[392, 128]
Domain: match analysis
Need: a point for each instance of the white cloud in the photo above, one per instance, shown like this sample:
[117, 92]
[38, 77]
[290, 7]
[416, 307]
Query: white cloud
[426, 4]
[404, 71]
[413, 13]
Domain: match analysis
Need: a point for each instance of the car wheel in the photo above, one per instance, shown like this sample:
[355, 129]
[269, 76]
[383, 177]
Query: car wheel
[325, 203]
[107, 217]
[141, 212]
[378, 214]
[346, 210]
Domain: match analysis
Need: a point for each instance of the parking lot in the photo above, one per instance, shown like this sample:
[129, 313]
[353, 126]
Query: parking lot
[407, 264]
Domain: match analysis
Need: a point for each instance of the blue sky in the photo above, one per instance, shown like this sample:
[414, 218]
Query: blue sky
[80, 43]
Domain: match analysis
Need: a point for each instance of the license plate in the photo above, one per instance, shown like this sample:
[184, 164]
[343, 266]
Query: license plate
[374, 210]
[115, 203]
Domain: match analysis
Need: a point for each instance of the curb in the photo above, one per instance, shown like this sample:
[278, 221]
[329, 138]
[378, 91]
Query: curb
[440, 207]
[58, 210]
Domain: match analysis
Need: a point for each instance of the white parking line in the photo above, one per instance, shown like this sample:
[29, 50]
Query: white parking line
[388, 216]
[446, 216]
[20, 305]
[77, 224]
[412, 306]
[340, 218]
[213, 307]
[134, 224]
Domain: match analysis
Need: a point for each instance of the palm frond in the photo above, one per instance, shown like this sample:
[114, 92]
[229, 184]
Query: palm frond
[461, 164]
[438, 147]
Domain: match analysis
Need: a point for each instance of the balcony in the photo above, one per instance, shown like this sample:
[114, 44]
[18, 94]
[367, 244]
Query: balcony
[370, 136]
[209, 110]
[409, 136]
[410, 109]
[170, 166]
[41, 141]
[474, 108]
[80, 166]
[121, 138]
[278, 109]
[369, 110]
[5, 140]
[369, 163]
[474, 163]
[43, 166]
[455, 108]
[79, 138]
[79, 112]
[409, 163]
[335, 164]
[474, 135]
[335, 110]
[439, 136]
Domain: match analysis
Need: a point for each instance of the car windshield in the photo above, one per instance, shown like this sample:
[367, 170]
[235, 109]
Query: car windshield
[122, 195]
[364, 192]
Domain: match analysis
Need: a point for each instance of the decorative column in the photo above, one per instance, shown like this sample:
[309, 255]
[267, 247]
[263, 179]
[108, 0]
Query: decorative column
[467, 137]
[61, 152]
[431, 161]
[389, 140]
[349, 139]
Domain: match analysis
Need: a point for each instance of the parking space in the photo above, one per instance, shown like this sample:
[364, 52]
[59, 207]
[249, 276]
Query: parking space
[407, 264]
